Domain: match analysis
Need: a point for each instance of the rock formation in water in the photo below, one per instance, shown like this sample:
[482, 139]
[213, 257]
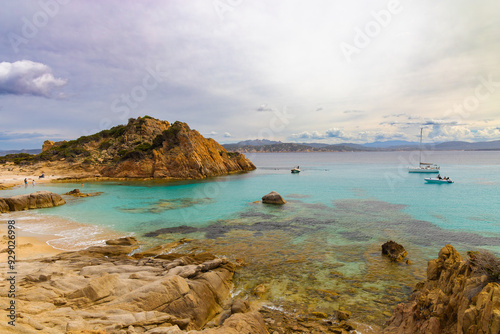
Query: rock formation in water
[103, 290]
[273, 198]
[457, 297]
[36, 200]
[394, 251]
[144, 148]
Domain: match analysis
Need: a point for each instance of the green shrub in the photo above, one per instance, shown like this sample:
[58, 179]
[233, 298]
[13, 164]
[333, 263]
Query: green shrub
[122, 152]
[485, 263]
[134, 155]
[169, 135]
[145, 147]
[105, 145]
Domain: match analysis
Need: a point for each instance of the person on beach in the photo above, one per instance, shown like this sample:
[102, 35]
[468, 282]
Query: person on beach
[25, 182]
[33, 183]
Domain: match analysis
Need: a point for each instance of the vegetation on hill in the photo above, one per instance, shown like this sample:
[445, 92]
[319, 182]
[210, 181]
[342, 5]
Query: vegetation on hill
[144, 147]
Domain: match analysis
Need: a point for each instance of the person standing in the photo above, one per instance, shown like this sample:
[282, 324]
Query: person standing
[33, 182]
[25, 182]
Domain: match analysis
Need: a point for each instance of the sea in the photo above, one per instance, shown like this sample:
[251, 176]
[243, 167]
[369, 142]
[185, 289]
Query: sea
[319, 252]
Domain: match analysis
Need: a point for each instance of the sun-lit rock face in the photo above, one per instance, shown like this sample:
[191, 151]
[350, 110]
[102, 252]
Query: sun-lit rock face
[147, 148]
[457, 297]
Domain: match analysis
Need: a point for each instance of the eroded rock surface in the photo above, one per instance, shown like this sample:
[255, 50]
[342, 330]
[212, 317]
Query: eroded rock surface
[103, 289]
[453, 299]
[36, 200]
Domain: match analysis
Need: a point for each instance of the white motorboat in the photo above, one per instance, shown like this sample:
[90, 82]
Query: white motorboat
[438, 180]
[295, 170]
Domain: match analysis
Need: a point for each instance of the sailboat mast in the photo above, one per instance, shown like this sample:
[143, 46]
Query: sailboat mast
[420, 155]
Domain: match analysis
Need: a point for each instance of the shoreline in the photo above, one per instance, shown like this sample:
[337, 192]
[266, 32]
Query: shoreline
[39, 236]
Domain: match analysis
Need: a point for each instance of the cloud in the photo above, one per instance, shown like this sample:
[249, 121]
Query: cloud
[264, 108]
[26, 77]
[308, 135]
[334, 133]
[353, 111]
[227, 135]
[211, 133]
[6, 135]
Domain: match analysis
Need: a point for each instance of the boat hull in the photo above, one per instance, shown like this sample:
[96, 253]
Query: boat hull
[431, 180]
[423, 170]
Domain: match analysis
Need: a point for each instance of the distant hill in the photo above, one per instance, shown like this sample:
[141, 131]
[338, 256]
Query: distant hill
[257, 142]
[392, 145]
[32, 151]
[463, 145]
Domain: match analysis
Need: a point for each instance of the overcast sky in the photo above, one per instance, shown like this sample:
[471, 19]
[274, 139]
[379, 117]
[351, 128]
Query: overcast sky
[306, 71]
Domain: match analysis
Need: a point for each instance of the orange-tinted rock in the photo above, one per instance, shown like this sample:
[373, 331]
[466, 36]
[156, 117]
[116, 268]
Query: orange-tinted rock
[453, 299]
[36, 200]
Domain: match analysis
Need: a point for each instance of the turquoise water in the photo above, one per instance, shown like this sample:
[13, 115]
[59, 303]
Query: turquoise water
[322, 249]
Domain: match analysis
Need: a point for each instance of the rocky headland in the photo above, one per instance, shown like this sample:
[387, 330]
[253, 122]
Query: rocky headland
[458, 296]
[144, 148]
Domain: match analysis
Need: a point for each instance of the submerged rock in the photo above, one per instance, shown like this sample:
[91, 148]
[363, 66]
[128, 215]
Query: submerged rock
[36, 200]
[77, 193]
[273, 198]
[455, 298]
[394, 251]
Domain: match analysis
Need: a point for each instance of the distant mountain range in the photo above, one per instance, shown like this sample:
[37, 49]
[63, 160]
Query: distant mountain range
[33, 151]
[264, 146]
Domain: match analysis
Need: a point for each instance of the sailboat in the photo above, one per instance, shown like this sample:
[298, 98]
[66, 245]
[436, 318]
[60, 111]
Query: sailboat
[423, 167]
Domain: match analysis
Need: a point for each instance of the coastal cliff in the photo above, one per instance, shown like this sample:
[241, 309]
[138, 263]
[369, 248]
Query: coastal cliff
[144, 148]
[457, 297]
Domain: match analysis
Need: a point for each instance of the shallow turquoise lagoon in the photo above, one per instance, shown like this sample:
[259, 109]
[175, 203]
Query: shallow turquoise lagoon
[322, 249]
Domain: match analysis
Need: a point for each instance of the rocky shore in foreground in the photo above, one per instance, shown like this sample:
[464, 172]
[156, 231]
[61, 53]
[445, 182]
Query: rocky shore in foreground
[111, 289]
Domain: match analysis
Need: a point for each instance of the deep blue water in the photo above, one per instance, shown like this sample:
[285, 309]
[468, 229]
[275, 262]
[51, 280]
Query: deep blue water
[340, 209]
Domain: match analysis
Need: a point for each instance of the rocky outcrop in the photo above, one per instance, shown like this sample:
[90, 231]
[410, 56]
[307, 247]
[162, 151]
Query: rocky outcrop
[145, 148]
[394, 251]
[77, 193]
[273, 198]
[47, 145]
[455, 298]
[36, 200]
[104, 290]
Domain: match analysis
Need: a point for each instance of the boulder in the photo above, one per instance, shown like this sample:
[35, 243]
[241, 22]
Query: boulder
[273, 198]
[126, 241]
[394, 251]
[240, 306]
[36, 200]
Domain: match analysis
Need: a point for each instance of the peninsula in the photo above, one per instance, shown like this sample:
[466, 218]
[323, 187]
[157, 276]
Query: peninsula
[145, 148]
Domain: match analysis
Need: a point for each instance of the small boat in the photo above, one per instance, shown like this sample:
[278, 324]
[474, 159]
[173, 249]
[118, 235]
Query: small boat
[423, 167]
[295, 170]
[438, 180]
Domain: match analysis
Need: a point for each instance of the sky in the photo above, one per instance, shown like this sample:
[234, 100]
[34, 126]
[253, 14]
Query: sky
[296, 71]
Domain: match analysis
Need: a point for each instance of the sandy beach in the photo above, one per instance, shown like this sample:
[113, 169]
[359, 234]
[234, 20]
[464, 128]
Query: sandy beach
[43, 236]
